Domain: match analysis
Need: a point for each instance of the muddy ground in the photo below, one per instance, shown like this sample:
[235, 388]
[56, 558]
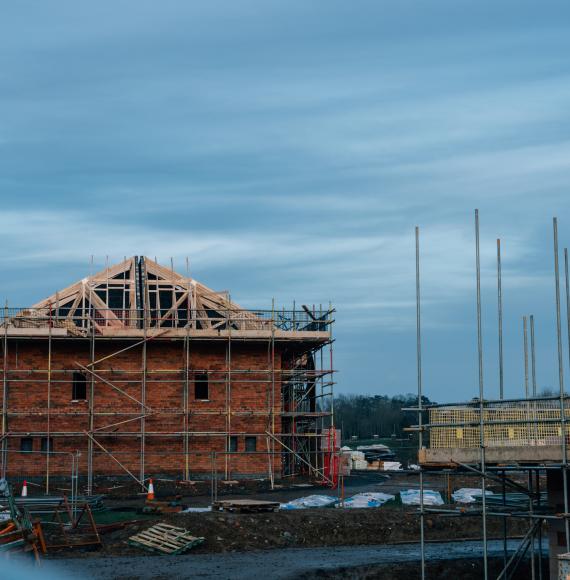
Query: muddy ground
[450, 561]
[229, 532]
[265, 537]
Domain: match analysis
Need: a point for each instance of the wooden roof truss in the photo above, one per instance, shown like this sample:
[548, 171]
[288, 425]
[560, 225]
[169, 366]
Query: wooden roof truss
[139, 292]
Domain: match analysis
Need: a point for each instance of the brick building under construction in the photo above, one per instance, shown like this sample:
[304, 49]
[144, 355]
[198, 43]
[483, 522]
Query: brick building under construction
[139, 371]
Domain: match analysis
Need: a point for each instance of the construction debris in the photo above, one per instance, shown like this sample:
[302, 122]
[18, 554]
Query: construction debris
[246, 506]
[162, 507]
[46, 505]
[165, 539]
[17, 533]
[71, 533]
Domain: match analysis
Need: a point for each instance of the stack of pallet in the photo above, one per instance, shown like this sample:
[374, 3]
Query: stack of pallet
[165, 539]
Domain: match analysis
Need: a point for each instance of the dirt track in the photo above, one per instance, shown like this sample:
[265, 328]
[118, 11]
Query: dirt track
[387, 562]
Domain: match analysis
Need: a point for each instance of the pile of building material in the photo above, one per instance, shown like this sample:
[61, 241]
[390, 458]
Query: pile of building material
[46, 505]
[245, 506]
[310, 501]
[165, 539]
[367, 500]
[412, 497]
[376, 452]
[378, 457]
[468, 494]
[359, 462]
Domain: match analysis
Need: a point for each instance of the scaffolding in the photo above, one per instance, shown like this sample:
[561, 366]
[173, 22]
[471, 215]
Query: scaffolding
[514, 444]
[123, 311]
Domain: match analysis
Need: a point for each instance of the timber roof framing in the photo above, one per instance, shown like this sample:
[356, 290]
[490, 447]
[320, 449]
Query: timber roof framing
[140, 297]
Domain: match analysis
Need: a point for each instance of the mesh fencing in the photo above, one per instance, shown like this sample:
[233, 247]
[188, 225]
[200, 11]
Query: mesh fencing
[528, 423]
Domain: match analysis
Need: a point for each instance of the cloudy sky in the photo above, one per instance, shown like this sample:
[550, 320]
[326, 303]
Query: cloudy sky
[289, 149]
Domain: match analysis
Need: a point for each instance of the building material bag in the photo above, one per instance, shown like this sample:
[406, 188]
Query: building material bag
[367, 500]
[468, 494]
[309, 501]
[412, 497]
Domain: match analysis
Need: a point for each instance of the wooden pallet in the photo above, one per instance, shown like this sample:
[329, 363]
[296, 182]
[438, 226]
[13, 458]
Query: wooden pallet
[245, 506]
[165, 539]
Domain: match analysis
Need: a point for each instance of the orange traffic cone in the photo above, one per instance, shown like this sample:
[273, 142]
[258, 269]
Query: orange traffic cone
[25, 489]
[150, 493]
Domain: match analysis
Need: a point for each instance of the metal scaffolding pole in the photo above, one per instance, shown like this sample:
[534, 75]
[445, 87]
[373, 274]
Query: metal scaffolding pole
[5, 395]
[48, 439]
[561, 384]
[500, 319]
[532, 356]
[420, 418]
[481, 393]
[525, 349]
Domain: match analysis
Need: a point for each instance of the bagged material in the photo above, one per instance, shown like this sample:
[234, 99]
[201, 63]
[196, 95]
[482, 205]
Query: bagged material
[468, 494]
[392, 466]
[412, 497]
[367, 500]
[310, 501]
[196, 510]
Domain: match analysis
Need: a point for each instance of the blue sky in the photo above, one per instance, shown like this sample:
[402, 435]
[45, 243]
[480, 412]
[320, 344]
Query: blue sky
[289, 149]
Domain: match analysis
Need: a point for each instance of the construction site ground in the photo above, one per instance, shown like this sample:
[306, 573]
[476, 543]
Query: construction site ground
[262, 538]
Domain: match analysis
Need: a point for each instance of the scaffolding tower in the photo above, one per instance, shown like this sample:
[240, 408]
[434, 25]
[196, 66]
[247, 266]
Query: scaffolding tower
[515, 444]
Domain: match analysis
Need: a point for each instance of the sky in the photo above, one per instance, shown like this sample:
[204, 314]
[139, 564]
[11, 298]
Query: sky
[288, 149]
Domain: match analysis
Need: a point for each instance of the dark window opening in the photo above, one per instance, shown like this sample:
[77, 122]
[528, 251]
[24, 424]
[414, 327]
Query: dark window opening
[64, 309]
[233, 444]
[116, 296]
[47, 444]
[201, 387]
[561, 538]
[251, 443]
[26, 444]
[79, 387]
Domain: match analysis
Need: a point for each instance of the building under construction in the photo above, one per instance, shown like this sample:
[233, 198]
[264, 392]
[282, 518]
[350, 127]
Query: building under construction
[138, 370]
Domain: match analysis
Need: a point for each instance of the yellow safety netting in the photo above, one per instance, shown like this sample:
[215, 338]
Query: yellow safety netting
[533, 423]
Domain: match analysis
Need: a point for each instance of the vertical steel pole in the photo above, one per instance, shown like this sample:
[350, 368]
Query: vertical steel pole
[49, 445]
[561, 384]
[91, 328]
[419, 365]
[525, 349]
[5, 394]
[500, 312]
[567, 296]
[481, 406]
[532, 356]
[531, 525]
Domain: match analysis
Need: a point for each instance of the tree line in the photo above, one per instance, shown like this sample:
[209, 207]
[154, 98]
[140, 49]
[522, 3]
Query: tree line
[364, 416]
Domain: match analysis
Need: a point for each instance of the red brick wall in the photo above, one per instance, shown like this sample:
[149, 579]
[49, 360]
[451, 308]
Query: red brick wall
[249, 402]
